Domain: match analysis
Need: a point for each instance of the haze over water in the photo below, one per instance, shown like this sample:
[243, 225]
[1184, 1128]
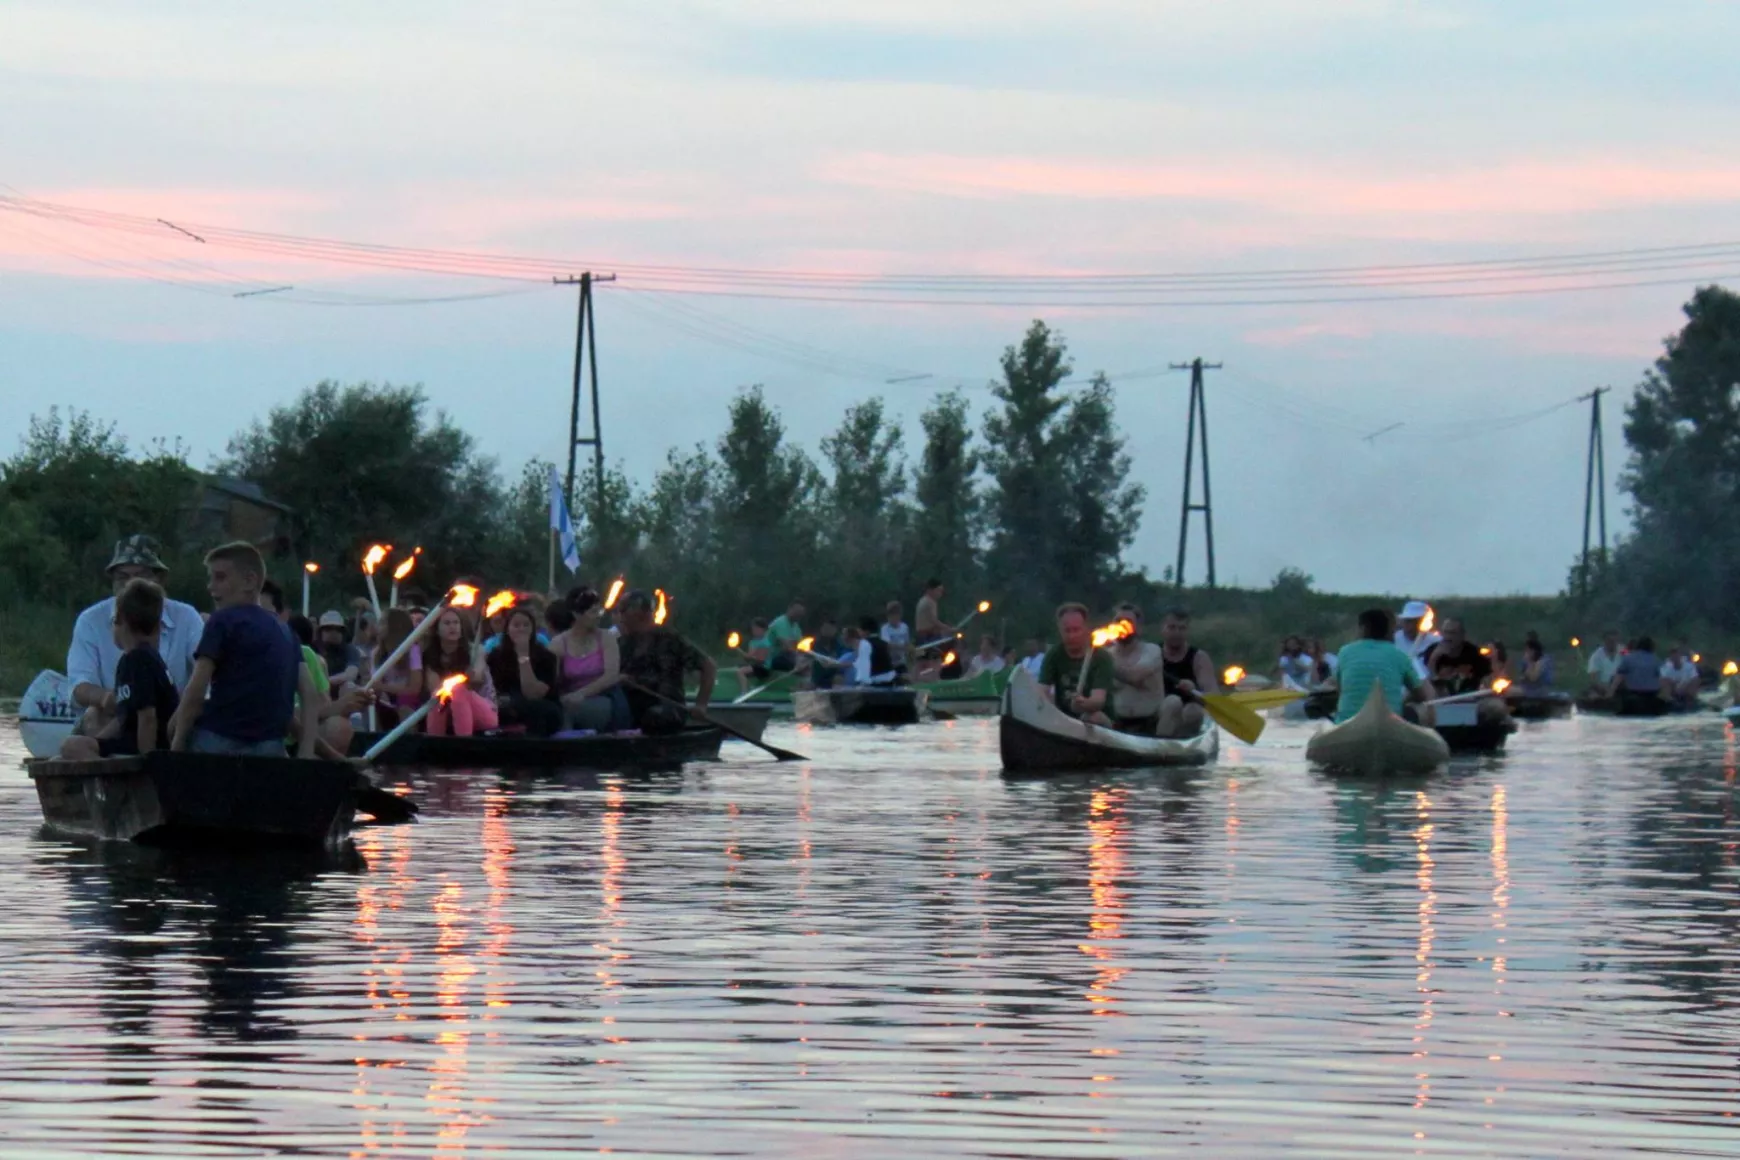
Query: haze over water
[893, 947]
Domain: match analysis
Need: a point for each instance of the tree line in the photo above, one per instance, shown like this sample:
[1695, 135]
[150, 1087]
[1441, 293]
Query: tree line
[1027, 504]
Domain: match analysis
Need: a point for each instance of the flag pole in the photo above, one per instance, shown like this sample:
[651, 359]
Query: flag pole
[553, 534]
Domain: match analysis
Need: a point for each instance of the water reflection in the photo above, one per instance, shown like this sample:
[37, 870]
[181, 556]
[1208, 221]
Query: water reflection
[892, 950]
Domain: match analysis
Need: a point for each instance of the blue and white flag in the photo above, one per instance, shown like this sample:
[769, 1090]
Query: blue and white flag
[562, 525]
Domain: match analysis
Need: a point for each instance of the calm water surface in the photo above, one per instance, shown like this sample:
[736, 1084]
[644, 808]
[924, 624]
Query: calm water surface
[893, 949]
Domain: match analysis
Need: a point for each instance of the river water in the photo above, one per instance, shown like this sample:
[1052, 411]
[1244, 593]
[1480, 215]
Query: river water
[894, 950]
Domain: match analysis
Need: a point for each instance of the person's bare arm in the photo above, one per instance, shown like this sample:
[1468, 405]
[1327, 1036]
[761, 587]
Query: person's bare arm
[147, 735]
[310, 712]
[1206, 679]
[192, 701]
[704, 690]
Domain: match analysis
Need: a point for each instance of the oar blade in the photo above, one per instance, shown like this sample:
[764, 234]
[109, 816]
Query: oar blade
[1258, 699]
[1239, 720]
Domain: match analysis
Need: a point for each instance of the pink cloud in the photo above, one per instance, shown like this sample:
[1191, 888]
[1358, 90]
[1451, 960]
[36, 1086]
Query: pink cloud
[1546, 187]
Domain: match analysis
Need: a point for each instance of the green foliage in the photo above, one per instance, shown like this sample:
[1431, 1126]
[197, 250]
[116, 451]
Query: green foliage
[946, 530]
[867, 524]
[1061, 509]
[364, 463]
[1681, 562]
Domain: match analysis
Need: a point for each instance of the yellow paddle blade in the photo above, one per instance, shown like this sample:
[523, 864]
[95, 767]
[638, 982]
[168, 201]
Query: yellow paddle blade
[1239, 720]
[1264, 698]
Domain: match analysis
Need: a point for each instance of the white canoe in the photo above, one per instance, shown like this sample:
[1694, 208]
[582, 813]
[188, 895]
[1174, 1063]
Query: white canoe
[1037, 737]
[46, 714]
[1375, 742]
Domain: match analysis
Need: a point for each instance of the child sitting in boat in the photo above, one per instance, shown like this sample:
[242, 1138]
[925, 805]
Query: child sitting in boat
[145, 697]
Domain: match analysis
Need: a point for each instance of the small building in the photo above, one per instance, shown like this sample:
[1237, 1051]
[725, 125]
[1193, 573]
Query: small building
[233, 509]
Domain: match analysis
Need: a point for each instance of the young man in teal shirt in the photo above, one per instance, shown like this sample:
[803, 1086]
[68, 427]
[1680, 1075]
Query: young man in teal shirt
[1375, 659]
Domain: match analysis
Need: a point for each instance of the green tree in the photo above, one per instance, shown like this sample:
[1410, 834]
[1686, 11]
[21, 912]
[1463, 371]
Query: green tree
[764, 509]
[1061, 508]
[362, 463]
[946, 526]
[867, 520]
[1682, 560]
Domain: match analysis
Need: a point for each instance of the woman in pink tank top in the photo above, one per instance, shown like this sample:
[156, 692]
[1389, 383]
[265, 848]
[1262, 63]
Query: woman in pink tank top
[589, 662]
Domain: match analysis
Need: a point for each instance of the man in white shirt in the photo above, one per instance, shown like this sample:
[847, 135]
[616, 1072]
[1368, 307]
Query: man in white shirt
[1604, 666]
[898, 635]
[1413, 635]
[1034, 658]
[1679, 677]
[93, 655]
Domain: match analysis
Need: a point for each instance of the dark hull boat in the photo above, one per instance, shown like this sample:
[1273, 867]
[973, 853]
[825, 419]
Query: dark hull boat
[860, 706]
[168, 798]
[749, 718]
[1480, 737]
[1036, 737]
[1538, 706]
[604, 751]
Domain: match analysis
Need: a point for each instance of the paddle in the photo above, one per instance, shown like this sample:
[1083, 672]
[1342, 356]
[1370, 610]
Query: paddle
[1241, 721]
[386, 807]
[1264, 698]
[782, 754]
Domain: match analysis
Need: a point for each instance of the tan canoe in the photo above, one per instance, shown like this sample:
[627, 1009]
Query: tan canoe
[1375, 742]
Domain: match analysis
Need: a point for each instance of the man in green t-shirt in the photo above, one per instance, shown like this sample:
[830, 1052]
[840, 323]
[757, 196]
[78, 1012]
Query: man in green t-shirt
[783, 634]
[1375, 659]
[1060, 673]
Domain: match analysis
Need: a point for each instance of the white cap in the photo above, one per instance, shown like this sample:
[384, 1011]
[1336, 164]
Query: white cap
[1414, 610]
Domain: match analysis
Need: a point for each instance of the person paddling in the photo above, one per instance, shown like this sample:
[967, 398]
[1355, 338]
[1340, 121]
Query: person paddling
[1189, 676]
[655, 661]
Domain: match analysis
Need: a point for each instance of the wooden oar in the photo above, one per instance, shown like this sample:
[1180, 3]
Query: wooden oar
[782, 754]
[386, 807]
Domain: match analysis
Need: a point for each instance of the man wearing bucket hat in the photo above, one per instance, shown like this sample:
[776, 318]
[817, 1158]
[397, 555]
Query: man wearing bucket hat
[93, 655]
[1414, 634]
[343, 660]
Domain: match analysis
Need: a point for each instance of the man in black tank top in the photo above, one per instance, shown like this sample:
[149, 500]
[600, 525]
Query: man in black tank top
[1189, 674]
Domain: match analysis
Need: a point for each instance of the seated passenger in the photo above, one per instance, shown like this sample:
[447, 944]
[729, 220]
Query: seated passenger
[524, 674]
[1680, 678]
[1061, 679]
[1637, 681]
[1140, 688]
[1536, 677]
[471, 707]
[1375, 660]
[590, 667]
[145, 697]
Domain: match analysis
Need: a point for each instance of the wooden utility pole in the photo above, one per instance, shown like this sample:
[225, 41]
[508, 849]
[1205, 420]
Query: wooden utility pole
[1195, 433]
[585, 358]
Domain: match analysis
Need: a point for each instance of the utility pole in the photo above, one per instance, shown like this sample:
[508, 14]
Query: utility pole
[1196, 432]
[585, 357]
[1594, 484]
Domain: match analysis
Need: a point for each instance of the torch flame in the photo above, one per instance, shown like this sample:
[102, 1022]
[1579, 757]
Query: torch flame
[1233, 675]
[660, 612]
[311, 567]
[1485, 650]
[984, 606]
[806, 644]
[448, 687]
[405, 566]
[1501, 684]
[463, 596]
[1730, 669]
[500, 602]
[948, 659]
[1117, 630]
[374, 556]
[1428, 620]
[1576, 643]
[1696, 659]
[733, 640]
[614, 594]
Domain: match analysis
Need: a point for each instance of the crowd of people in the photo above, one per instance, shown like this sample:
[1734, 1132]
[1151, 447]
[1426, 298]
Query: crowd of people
[253, 678]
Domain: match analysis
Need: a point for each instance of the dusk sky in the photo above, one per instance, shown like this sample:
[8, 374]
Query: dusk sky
[971, 138]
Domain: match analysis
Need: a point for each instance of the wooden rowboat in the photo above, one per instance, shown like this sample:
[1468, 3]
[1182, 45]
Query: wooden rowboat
[860, 706]
[1465, 730]
[1036, 737]
[1643, 706]
[601, 751]
[1375, 742]
[1538, 706]
[749, 718]
[165, 798]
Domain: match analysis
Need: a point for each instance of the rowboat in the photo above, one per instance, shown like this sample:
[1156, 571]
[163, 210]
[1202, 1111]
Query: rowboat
[1465, 730]
[749, 718]
[1538, 706]
[1644, 706]
[860, 705]
[163, 797]
[1036, 736]
[517, 751]
[1375, 742]
[46, 714]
